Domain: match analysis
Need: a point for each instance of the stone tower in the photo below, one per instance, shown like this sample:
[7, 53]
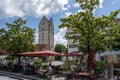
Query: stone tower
[46, 32]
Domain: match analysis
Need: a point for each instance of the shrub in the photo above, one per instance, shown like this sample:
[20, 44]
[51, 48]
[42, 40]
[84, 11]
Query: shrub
[37, 63]
[67, 64]
[100, 67]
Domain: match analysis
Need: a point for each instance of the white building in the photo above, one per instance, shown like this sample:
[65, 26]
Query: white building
[46, 32]
[72, 47]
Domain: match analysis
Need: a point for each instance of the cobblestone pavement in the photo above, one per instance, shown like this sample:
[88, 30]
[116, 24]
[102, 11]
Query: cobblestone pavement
[9, 78]
[6, 78]
[25, 77]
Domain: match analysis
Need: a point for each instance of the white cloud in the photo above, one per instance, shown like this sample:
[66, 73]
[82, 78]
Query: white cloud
[101, 3]
[68, 6]
[64, 8]
[81, 10]
[68, 13]
[36, 8]
[59, 38]
[76, 5]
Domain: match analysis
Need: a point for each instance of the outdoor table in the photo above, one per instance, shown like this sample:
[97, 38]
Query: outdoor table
[83, 75]
[42, 73]
[57, 69]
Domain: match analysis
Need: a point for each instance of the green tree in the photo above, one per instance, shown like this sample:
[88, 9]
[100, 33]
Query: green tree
[117, 46]
[60, 48]
[100, 68]
[98, 33]
[2, 38]
[17, 38]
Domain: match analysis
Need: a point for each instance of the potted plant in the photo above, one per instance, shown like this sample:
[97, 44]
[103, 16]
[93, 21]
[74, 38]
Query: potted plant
[37, 63]
[67, 67]
[100, 67]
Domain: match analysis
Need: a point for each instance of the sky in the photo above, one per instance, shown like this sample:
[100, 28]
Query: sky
[33, 10]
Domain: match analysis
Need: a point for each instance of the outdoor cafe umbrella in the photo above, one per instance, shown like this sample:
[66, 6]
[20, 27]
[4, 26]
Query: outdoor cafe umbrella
[72, 54]
[46, 53]
[2, 52]
[91, 59]
[39, 53]
[24, 54]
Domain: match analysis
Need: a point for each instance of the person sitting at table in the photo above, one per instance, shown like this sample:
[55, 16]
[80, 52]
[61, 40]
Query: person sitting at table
[25, 68]
[41, 73]
[49, 71]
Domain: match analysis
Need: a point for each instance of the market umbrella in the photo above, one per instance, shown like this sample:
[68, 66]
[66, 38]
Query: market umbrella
[2, 52]
[91, 59]
[72, 54]
[39, 53]
[24, 54]
[46, 53]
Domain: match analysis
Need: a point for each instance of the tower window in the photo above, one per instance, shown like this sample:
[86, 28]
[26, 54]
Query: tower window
[42, 39]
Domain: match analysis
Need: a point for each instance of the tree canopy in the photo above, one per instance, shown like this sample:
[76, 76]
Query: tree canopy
[60, 48]
[98, 33]
[17, 37]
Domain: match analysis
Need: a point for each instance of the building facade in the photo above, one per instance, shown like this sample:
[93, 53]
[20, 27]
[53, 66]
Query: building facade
[72, 47]
[46, 32]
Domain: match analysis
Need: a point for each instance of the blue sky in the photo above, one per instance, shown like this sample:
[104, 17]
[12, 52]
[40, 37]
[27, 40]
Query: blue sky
[34, 10]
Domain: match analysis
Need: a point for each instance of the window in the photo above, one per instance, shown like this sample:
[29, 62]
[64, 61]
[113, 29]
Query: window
[72, 46]
[42, 39]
